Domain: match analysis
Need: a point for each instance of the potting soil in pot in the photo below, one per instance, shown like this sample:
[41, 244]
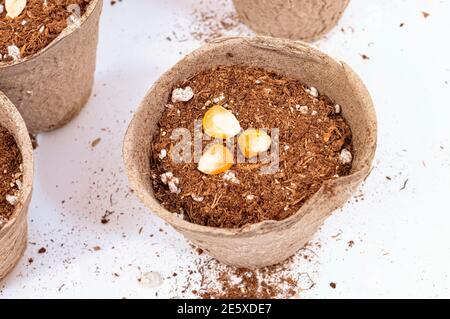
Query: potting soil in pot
[28, 26]
[10, 175]
[283, 141]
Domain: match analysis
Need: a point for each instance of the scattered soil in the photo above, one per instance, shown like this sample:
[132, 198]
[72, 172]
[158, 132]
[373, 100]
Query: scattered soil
[211, 19]
[365, 57]
[95, 142]
[312, 135]
[106, 217]
[10, 175]
[210, 279]
[37, 26]
[210, 25]
[250, 284]
[219, 281]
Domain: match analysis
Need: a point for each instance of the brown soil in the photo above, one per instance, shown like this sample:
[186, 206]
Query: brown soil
[213, 280]
[250, 284]
[310, 146]
[210, 279]
[214, 19]
[10, 173]
[37, 26]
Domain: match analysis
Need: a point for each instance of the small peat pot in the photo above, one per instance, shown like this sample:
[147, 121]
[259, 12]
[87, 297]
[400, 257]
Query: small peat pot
[240, 230]
[15, 148]
[51, 86]
[298, 19]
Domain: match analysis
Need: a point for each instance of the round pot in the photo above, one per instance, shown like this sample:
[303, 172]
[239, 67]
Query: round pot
[13, 235]
[298, 19]
[51, 87]
[268, 242]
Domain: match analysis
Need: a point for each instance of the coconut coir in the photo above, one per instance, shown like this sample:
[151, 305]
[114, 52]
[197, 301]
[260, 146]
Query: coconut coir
[249, 284]
[312, 138]
[213, 280]
[37, 26]
[10, 175]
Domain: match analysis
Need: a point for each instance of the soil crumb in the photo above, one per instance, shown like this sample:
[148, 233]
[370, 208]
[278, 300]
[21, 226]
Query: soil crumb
[212, 19]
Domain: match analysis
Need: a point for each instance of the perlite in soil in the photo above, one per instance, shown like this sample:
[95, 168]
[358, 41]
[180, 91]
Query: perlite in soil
[240, 135]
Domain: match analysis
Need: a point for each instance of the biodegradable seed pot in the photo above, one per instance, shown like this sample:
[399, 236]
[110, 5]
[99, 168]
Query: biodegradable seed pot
[268, 242]
[298, 20]
[50, 87]
[13, 230]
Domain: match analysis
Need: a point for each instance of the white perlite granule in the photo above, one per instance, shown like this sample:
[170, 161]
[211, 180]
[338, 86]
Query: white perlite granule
[152, 279]
[14, 52]
[171, 181]
[162, 155]
[1, 8]
[230, 177]
[173, 188]
[337, 109]
[302, 108]
[250, 197]
[166, 177]
[182, 95]
[197, 198]
[345, 156]
[219, 99]
[313, 91]
[11, 199]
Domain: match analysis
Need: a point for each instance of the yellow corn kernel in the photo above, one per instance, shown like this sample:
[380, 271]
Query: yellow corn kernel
[218, 122]
[254, 141]
[215, 160]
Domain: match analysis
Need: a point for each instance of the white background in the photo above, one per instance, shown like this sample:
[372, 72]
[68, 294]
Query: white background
[402, 237]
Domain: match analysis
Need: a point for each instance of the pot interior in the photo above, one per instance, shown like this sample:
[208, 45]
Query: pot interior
[291, 59]
[11, 120]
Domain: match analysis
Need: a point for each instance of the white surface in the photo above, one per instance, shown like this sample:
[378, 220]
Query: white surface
[402, 238]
